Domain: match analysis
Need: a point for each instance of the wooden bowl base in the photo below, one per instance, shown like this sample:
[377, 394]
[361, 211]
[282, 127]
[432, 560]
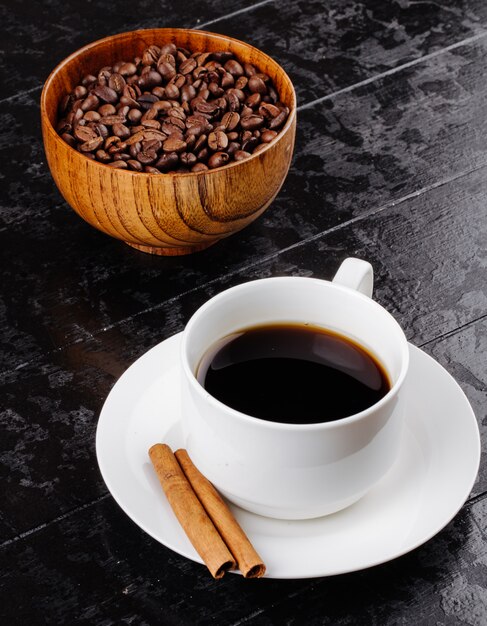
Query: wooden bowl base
[176, 251]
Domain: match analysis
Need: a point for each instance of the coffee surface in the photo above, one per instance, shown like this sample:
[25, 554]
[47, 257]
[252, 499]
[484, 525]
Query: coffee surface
[293, 373]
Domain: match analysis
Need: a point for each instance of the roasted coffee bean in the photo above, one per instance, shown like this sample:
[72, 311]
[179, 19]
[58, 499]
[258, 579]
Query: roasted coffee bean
[105, 93]
[268, 135]
[92, 116]
[200, 143]
[218, 159]
[199, 167]
[233, 146]
[134, 116]
[148, 169]
[110, 120]
[253, 101]
[241, 82]
[117, 83]
[174, 145]
[278, 120]
[188, 159]
[120, 130]
[127, 69]
[172, 106]
[250, 144]
[227, 80]
[103, 156]
[217, 140]
[84, 133]
[92, 144]
[172, 92]
[233, 101]
[240, 155]
[69, 139]
[152, 124]
[80, 92]
[167, 161]
[269, 111]
[107, 109]
[251, 122]
[187, 66]
[147, 157]
[203, 154]
[90, 103]
[134, 165]
[257, 85]
[151, 55]
[230, 120]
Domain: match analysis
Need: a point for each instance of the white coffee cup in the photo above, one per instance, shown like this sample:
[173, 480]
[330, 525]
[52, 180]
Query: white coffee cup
[295, 471]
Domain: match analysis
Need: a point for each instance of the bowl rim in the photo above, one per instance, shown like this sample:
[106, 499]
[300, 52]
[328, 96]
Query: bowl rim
[86, 48]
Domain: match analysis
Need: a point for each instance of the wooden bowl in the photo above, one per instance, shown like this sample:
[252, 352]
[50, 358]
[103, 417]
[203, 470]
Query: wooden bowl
[165, 214]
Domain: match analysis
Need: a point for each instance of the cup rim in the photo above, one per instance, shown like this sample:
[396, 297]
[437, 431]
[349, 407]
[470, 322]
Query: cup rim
[87, 48]
[280, 426]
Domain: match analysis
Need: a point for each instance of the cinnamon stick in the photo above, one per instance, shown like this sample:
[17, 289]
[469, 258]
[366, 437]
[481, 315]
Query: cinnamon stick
[190, 512]
[249, 562]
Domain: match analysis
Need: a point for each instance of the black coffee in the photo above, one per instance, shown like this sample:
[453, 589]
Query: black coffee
[293, 373]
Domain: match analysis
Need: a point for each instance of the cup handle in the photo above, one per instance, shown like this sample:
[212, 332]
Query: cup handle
[356, 274]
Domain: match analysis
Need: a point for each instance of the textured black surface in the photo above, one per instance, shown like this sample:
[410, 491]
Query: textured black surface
[390, 165]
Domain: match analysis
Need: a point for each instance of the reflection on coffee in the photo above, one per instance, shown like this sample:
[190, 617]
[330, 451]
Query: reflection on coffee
[293, 373]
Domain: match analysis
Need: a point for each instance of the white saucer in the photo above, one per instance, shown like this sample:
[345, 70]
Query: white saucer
[424, 490]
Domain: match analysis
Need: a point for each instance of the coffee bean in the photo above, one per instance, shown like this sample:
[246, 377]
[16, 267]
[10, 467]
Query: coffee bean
[253, 101]
[251, 122]
[217, 140]
[187, 66]
[69, 139]
[278, 120]
[269, 111]
[105, 93]
[90, 103]
[110, 120]
[135, 165]
[151, 55]
[188, 159]
[107, 109]
[218, 159]
[127, 69]
[168, 161]
[80, 92]
[120, 130]
[172, 110]
[241, 82]
[233, 146]
[199, 167]
[174, 145]
[268, 135]
[92, 116]
[84, 133]
[147, 157]
[117, 83]
[257, 85]
[230, 120]
[240, 155]
[91, 145]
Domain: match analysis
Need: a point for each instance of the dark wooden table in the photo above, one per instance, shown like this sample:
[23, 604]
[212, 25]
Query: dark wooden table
[390, 165]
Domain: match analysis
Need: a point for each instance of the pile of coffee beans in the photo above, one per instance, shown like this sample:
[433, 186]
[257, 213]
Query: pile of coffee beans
[172, 110]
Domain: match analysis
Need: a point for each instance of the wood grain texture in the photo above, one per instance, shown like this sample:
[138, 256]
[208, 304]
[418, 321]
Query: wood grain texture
[167, 214]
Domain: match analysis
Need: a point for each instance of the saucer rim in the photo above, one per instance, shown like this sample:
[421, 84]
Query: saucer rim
[176, 339]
